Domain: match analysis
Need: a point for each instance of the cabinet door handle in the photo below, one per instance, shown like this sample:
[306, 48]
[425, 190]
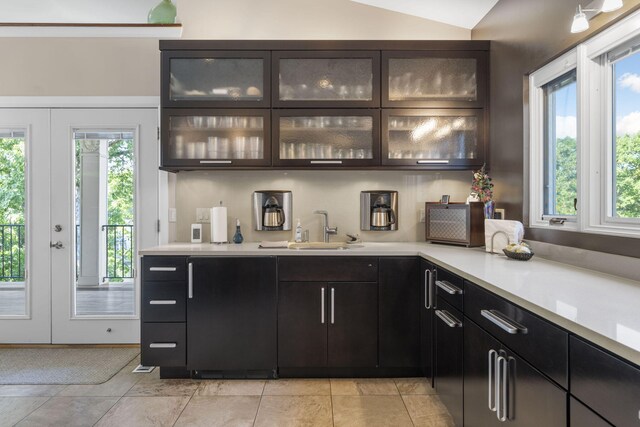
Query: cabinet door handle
[163, 345]
[333, 305]
[503, 322]
[163, 268]
[501, 388]
[432, 279]
[325, 162]
[216, 162]
[448, 287]
[162, 302]
[322, 305]
[449, 319]
[432, 162]
[190, 280]
[493, 356]
[427, 280]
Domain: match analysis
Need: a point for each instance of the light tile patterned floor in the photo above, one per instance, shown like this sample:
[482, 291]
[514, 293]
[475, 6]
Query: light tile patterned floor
[145, 400]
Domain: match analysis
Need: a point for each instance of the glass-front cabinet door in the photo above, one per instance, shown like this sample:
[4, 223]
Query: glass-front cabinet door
[437, 139]
[448, 79]
[215, 79]
[215, 138]
[330, 138]
[326, 79]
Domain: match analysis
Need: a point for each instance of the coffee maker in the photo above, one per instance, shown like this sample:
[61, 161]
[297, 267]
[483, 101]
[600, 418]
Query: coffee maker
[272, 210]
[379, 210]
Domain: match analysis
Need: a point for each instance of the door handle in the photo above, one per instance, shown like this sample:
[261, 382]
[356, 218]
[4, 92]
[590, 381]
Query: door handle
[163, 268]
[190, 280]
[501, 389]
[447, 318]
[427, 280]
[432, 278]
[503, 322]
[322, 305]
[333, 305]
[56, 245]
[163, 302]
[493, 356]
[448, 287]
[163, 345]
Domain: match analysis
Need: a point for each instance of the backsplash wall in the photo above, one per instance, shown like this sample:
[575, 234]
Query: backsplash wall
[338, 192]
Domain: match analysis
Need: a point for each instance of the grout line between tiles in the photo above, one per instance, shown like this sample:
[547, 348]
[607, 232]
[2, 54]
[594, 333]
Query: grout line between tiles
[34, 409]
[184, 407]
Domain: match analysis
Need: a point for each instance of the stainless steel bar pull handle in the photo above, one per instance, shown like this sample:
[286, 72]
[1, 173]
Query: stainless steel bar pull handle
[190, 280]
[163, 345]
[325, 162]
[448, 287]
[503, 322]
[163, 268]
[493, 356]
[448, 318]
[322, 305]
[432, 279]
[432, 162]
[162, 302]
[427, 280]
[216, 162]
[501, 389]
[333, 305]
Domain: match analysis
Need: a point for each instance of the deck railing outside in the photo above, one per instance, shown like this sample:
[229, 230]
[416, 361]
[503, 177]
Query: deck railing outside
[12, 252]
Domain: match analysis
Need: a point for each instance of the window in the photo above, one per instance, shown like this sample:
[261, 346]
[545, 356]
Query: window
[560, 147]
[584, 139]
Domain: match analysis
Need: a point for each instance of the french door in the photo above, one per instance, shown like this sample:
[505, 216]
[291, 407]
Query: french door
[91, 202]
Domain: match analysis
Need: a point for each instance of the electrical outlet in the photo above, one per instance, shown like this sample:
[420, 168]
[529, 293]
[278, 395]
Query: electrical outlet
[202, 215]
[422, 215]
[173, 215]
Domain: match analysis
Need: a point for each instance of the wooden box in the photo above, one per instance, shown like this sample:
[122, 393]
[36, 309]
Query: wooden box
[455, 223]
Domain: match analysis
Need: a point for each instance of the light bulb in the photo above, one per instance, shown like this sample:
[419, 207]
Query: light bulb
[580, 22]
[611, 5]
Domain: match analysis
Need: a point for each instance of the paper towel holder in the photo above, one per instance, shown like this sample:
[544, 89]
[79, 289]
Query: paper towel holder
[272, 200]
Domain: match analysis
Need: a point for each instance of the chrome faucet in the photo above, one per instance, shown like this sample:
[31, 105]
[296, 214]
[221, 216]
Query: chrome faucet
[326, 230]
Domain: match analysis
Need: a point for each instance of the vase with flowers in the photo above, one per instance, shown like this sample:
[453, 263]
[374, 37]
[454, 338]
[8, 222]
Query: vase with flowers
[482, 188]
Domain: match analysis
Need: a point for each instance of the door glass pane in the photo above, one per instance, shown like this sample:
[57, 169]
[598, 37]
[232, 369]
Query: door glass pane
[560, 146]
[104, 218]
[433, 137]
[217, 79]
[13, 286]
[626, 137]
[326, 137]
[443, 79]
[216, 137]
[326, 79]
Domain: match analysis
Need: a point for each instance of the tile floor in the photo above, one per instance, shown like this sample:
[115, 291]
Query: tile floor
[130, 399]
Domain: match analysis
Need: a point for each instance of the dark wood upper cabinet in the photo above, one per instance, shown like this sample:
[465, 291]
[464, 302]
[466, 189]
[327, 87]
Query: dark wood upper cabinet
[216, 79]
[326, 79]
[434, 138]
[326, 138]
[206, 138]
[434, 79]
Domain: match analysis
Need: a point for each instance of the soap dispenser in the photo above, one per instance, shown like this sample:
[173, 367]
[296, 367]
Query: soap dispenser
[298, 237]
[237, 238]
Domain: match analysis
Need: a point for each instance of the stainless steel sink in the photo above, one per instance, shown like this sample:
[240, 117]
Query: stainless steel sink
[319, 245]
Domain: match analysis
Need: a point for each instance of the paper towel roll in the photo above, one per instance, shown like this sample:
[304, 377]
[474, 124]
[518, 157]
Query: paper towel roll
[219, 224]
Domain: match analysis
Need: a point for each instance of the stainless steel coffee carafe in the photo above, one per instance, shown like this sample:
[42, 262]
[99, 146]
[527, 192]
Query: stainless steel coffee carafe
[379, 210]
[272, 210]
[273, 216]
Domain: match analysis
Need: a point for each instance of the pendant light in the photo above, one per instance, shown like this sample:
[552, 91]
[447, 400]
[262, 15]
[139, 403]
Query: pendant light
[580, 22]
[611, 5]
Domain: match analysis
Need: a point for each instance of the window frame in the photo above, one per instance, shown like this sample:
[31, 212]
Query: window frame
[595, 97]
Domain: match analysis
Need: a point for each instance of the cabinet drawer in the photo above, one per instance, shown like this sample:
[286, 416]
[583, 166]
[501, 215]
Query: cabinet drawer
[327, 269]
[164, 301]
[164, 268]
[605, 383]
[164, 344]
[581, 416]
[544, 345]
[449, 287]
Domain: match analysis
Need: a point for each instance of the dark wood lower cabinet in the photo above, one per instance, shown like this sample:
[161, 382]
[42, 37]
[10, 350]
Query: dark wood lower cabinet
[581, 416]
[302, 324]
[332, 324]
[449, 359]
[426, 283]
[399, 315]
[232, 314]
[495, 377]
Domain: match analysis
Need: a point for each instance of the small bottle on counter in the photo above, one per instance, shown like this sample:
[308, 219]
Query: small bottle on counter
[237, 238]
[298, 237]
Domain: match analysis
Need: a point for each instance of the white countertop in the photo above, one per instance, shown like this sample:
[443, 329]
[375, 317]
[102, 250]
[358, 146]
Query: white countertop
[599, 307]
